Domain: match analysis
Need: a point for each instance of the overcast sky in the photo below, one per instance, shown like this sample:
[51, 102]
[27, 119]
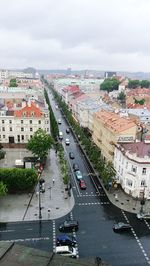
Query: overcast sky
[81, 34]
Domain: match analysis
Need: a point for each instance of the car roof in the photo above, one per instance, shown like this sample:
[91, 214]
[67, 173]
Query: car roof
[63, 237]
[70, 222]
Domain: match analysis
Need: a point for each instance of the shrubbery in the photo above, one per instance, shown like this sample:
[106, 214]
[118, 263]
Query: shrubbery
[18, 180]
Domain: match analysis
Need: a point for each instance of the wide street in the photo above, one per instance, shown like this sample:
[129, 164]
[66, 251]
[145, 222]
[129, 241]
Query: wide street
[96, 216]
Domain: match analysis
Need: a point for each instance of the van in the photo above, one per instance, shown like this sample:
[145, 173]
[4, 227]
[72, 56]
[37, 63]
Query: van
[60, 135]
[66, 251]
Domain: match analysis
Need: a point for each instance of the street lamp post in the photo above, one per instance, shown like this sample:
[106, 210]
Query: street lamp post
[40, 213]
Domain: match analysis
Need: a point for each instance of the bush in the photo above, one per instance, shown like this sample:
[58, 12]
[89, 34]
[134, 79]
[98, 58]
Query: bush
[18, 180]
[2, 154]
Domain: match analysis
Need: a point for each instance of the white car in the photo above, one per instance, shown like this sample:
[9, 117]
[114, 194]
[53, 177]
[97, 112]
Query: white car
[59, 121]
[67, 251]
[145, 216]
[67, 141]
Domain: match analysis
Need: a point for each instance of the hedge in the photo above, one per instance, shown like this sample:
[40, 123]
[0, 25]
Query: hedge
[18, 180]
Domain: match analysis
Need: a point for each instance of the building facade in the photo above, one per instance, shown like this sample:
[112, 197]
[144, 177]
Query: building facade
[132, 165]
[109, 128]
[18, 126]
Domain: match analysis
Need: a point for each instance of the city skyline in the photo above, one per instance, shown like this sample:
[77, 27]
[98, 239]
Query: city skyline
[97, 35]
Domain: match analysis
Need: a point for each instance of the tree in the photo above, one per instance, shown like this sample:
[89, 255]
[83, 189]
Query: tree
[13, 83]
[141, 102]
[133, 84]
[3, 189]
[108, 173]
[110, 85]
[121, 96]
[40, 144]
[145, 84]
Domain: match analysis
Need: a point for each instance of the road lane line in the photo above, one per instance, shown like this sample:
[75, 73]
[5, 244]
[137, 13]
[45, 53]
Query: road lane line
[27, 239]
[137, 239]
[54, 236]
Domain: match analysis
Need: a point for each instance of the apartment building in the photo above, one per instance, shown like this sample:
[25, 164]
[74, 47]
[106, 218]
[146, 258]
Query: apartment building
[18, 126]
[109, 128]
[132, 165]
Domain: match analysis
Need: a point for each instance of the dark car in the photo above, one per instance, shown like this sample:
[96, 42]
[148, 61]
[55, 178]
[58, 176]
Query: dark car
[65, 240]
[67, 130]
[75, 167]
[82, 184]
[68, 226]
[71, 155]
[118, 227]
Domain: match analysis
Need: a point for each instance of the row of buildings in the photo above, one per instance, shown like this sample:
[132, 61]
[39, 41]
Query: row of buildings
[121, 134]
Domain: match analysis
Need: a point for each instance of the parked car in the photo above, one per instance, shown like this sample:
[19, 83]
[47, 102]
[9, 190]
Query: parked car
[75, 167]
[142, 216]
[67, 130]
[67, 251]
[65, 240]
[78, 175]
[69, 225]
[71, 155]
[59, 121]
[60, 135]
[121, 227]
[82, 184]
[67, 141]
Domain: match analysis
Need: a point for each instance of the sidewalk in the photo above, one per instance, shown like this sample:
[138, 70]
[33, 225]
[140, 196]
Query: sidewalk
[126, 202]
[53, 201]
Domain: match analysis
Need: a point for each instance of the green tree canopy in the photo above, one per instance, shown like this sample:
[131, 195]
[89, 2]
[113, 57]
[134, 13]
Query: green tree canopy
[13, 83]
[40, 144]
[141, 102]
[121, 96]
[134, 84]
[145, 83]
[3, 189]
[110, 84]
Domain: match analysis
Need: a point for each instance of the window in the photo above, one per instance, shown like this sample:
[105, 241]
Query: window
[3, 121]
[22, 137]
[129, 183]
[22, 129]
[30, 121]
[10, 121]
[31, 129]
[32, 114]
[21, 121]
[39, 122]
[10, 128]
[143, 183]
[24, 114]
[18, 137]
[144, 171]
[133, 169]
[3, 136]
[3, 129]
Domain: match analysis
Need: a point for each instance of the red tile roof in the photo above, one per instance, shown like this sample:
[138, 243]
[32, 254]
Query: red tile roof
[71, 88]
[114, 122]
[138, 91]
[29, 111]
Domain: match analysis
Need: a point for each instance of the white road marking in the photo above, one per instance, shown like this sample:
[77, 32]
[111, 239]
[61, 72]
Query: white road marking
[91, 203]
[6, 231]
[54, 236]
[27, 239]
[137, 239]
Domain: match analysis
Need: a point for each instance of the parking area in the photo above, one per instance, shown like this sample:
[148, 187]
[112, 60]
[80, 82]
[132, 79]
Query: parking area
[12, 155]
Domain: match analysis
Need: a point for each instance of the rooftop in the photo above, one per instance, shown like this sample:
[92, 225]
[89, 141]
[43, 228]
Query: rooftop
[114, 122]
[141, 149]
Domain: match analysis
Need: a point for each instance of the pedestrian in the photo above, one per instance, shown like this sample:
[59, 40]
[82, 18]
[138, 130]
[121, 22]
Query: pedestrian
[53, 181]
[116, 197]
